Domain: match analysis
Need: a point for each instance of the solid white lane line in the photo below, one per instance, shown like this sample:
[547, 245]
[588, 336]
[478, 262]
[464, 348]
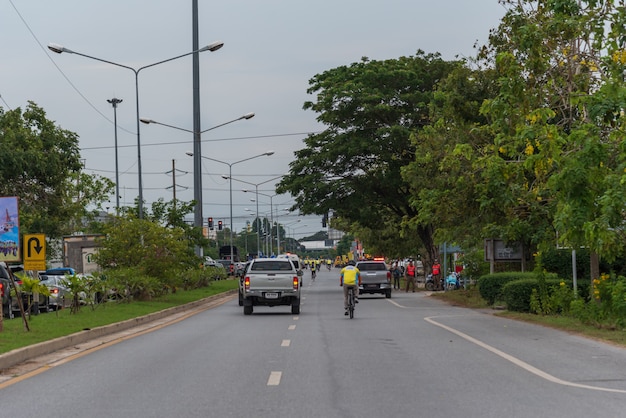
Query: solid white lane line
[519, 362]
[274, 379]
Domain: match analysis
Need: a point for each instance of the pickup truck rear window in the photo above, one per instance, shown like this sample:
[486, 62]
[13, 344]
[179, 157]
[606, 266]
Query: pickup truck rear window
[371, 267]
[272, 266]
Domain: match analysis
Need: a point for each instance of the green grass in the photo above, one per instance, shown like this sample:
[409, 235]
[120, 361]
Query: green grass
[471, 299]
[47, 326]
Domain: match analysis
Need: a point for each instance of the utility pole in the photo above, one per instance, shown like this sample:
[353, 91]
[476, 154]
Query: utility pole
[114, 101]
[174, 185]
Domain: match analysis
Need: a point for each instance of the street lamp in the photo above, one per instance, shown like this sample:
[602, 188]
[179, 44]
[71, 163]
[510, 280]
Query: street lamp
[197, 174]
[114, 102]
[271, 250]
[287, 227]
[256, 186]
[60, 49]
[278, 230]
[230, 174]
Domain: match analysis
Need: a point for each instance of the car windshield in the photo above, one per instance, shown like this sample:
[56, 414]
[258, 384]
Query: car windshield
[371, 266]
[272, 265]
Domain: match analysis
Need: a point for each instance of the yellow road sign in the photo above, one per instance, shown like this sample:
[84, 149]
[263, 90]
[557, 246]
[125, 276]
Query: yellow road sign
[34, 252]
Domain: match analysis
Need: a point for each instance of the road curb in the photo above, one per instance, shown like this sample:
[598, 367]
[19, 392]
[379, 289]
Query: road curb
[21, 355]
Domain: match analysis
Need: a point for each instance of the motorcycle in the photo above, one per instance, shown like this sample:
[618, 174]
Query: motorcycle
[430, 283]
[453, 282]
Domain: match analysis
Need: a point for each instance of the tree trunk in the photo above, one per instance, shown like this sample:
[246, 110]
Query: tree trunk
[425, 233]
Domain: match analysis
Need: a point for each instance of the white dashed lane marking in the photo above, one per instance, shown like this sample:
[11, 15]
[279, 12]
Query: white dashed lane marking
[285, 343]
[274, 379]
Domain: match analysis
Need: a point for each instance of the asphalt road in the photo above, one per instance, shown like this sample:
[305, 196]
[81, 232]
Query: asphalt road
[409, 355]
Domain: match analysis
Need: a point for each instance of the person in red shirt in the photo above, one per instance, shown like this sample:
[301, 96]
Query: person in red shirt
[410, 276]
[436, 273]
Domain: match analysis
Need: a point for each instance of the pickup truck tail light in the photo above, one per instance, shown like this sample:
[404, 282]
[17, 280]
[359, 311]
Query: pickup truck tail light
[1, 290]
[389, 276]
[246, 283]
[296, 282]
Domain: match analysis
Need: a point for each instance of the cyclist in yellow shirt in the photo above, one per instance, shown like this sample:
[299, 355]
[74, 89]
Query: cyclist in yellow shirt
[350, 277]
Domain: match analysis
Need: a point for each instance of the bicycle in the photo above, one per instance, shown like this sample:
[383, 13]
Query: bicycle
[313, 274]
[351, 303]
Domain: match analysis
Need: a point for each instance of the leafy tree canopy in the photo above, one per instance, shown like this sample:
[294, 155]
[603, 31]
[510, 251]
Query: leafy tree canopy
[40, 164]
[352, 168]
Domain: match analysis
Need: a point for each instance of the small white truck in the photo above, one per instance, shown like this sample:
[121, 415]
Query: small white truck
[271, 282]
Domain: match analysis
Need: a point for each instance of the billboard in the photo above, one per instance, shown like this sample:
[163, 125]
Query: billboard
[9, 230]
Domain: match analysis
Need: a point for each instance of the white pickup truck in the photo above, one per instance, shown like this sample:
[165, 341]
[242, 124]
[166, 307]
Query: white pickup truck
[271, 282]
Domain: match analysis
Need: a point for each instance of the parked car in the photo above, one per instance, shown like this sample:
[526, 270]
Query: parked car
[37, 302]
[229, 266]
[60, 271]
[5, 292]
[219, 272]
[60, 295]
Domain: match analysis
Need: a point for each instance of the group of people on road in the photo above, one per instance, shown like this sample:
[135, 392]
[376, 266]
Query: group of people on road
[350, 277]
[411, 273]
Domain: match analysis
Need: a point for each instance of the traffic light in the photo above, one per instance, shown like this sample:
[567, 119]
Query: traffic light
[210, 223]
[324, 221]
[219, 225]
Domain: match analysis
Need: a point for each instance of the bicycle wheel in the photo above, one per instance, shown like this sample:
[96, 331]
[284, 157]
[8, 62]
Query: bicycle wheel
[351, 302]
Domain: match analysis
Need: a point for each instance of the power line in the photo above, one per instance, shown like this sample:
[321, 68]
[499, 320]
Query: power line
[45, 50]
[206, 140]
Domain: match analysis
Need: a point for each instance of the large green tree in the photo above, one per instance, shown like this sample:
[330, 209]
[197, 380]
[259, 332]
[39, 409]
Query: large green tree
[557, 120]
[40, 164]
[443, 179]
[352, 168]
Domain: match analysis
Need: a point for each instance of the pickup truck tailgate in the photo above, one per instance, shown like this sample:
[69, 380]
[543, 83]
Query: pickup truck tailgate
[269, 280]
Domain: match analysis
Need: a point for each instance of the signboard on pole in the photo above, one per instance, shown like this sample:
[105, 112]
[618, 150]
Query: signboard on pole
[499, 250]
[35, 252]
[9, 230]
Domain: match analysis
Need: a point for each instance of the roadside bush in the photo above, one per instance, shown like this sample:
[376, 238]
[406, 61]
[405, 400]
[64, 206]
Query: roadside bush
[490, 285]
[607, 307]
[516, 294]
[521, 295]
[202, 277]
[131, 284]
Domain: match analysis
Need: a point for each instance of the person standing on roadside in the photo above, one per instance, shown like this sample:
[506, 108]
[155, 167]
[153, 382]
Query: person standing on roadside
[410, 276]
[437, 274]
[396, 272]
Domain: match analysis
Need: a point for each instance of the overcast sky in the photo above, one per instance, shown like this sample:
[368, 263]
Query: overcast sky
[272, 48]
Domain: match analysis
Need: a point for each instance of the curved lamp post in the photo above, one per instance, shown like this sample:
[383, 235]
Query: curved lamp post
[230, 174]
[60, 49]
[197, 173]
[271, 249]
[256, 186]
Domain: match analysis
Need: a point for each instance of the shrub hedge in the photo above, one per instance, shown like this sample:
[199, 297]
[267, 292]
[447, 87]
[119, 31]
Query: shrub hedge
[516, 294]
[490, 285]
